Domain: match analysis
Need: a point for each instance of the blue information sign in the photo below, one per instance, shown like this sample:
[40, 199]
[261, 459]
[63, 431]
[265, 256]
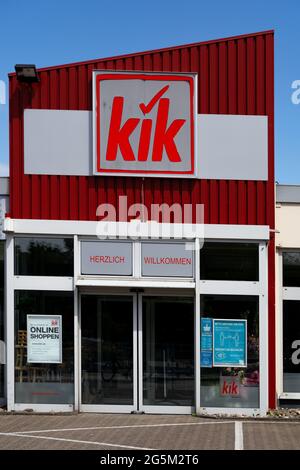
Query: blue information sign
[206, 358]
[206, 342]
[230, 343]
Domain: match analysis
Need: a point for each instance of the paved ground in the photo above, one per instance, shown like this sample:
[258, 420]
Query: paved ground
[145, 432]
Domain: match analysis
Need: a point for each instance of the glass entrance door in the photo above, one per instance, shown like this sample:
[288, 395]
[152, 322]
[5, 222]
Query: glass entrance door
[137, 353]
[167, 350]
[108, 353]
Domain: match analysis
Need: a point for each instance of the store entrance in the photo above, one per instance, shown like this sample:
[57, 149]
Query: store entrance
[137, 353]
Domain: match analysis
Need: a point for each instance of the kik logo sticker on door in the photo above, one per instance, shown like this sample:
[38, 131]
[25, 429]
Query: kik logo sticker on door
[144, 124]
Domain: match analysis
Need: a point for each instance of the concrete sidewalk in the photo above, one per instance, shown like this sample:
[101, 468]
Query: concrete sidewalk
[143, 432]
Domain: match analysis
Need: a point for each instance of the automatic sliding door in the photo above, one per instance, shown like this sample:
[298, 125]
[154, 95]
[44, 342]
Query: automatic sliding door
[110, 366]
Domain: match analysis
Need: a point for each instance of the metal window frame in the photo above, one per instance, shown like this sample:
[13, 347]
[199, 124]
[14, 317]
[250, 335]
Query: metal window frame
[3, 398]
[284, 293]
[256, 289]
[84, 230]
[30, 283]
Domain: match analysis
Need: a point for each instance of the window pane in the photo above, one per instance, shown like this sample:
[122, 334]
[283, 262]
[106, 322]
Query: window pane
[291, 268]
[291, 346]
[229, 261]
[233, 387]
[44, 256]
[44, 382]
[2, 245]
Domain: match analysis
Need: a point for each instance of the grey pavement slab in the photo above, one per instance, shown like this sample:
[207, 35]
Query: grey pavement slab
[89, 431]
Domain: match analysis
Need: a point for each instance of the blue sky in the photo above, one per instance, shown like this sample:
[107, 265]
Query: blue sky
[51, 32]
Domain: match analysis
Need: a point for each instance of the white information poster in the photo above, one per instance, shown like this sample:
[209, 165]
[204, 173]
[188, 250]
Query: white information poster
[44, 339]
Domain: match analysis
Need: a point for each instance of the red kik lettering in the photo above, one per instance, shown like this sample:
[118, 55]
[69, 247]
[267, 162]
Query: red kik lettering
[145, 140]
[118, 136]
[164, 136]
[234, 389]
[225, 390]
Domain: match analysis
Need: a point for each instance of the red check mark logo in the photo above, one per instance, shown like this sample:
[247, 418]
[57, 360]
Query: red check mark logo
[146, 108]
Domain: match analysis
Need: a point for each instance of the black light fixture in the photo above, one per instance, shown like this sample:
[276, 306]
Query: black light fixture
[26, 73]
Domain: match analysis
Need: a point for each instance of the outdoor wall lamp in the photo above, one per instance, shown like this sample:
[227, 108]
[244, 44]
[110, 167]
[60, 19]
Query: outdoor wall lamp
[26, 73]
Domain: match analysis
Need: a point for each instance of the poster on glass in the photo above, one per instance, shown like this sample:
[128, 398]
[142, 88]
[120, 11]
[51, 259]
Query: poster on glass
[44, 343]
[229, 343]
[206, 342]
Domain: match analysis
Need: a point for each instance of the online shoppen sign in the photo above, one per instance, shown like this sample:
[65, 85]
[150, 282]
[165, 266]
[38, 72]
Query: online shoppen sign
[144, 124]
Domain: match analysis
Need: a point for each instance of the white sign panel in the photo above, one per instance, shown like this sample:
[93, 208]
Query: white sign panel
[167, 260]
[44, 339]
[103, 258]
[144, 124]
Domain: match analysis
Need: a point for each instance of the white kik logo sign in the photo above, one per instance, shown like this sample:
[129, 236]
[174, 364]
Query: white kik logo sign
[144, 124]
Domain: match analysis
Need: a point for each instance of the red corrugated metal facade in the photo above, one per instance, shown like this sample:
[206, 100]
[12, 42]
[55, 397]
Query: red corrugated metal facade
[235, 76]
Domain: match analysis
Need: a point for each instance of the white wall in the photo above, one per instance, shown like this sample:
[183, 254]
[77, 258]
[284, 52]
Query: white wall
[288, 225]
